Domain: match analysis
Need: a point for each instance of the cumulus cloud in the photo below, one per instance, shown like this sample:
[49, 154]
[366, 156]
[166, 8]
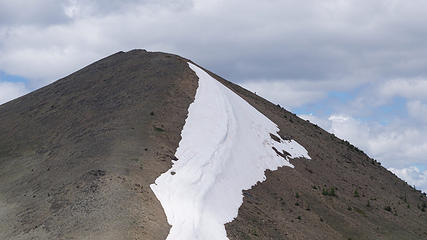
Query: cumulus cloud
[415, 88]
[11, 90]
[395, 145]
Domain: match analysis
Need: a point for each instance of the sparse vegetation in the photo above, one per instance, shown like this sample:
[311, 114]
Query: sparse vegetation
[356, 193]
[360, 211]
[296, 195]
[254, 232]
[387, 208]
[375, 162]
[329, 192]
[158, 129]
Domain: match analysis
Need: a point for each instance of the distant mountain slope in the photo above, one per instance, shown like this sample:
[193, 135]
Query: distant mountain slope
[77, 159]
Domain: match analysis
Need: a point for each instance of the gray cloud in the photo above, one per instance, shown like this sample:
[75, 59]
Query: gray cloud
[329, 40]
[40, 12]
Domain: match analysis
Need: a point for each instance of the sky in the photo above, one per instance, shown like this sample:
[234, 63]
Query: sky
[356, 68]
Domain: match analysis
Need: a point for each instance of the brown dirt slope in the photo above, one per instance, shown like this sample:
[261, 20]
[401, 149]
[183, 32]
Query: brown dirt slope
[77, 157]
[367, 201]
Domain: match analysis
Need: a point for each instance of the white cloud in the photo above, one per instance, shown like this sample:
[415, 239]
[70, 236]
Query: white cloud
[415, 88]
[11, 90]
[288, 93]
[394, 93]
[395, 145]
[417, 110]
[413, 176]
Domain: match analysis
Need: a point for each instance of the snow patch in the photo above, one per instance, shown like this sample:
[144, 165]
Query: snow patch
[225, 148]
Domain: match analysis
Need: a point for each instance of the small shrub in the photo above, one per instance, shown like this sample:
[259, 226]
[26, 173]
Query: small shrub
[360, 211]
[296, 195]
[159, 129]
[325, 192]
[332, 192]
[387, 208]
[329, 192]
[356, 193]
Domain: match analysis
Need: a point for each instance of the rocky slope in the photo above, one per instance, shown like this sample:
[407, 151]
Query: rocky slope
[77, 159]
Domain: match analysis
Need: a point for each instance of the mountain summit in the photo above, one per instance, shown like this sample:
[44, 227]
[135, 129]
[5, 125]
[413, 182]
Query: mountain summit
[146, 145]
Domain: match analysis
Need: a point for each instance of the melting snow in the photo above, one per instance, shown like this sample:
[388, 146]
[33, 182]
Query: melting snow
[225, 148]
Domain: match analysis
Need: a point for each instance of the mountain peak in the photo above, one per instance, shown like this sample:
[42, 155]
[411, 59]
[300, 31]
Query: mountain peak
[79, 157]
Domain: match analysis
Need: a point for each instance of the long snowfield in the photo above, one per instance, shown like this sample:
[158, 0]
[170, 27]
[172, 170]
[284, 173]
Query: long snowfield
[225, 148]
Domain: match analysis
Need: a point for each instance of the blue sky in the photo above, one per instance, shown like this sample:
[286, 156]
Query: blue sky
[356, 68]
[12, 78]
